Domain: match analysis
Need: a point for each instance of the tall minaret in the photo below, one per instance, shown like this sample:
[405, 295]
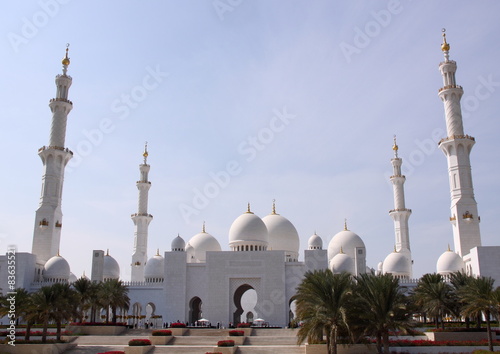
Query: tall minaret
[48, 217]
[141, 221]
[400, 214]
[457, 146]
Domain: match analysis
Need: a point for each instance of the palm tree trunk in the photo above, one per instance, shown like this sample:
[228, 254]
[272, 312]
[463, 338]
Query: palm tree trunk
[478, 319]
[28, 331]
[44, 331]
[333, 341]
[379, 343]
[58, 334]
[385, 338]
[488, 329]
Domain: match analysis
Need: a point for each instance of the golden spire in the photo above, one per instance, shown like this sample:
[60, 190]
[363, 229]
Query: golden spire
[395, 147]
[203, 229]
[445, 46]
[345, 225]
[107, 252]
[145, 154]
[274, 208]
[341, 250]
[248, 209]
[58, 255]
[157, 251]
[449, 250]
[65, 60]
[395, 250]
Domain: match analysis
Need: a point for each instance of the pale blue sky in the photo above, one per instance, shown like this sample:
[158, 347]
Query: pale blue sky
[352, 73]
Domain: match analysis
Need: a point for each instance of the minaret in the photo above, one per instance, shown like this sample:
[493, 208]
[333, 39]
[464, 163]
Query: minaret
[48, 217]
[400, 214]
[457, 147]
[141, 221]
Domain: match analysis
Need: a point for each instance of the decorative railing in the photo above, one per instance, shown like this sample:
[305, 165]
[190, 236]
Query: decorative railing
[449, 87]
[141, 214]
[403, 209]
[59, 99]
[55, 148]
[456, 137]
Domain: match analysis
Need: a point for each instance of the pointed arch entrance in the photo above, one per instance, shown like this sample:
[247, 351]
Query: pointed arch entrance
[194, 309]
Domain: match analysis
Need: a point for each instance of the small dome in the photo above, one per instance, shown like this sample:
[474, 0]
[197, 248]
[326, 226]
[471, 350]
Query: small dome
[178, 244]
[342, 263]
[203, 243]
[72, 278]
[315, 242]
[56, 269]
[154, 268]
[248, 229]
[397, 264]
[111, 269]
[282, 235]
[348, 241]
[450, 262]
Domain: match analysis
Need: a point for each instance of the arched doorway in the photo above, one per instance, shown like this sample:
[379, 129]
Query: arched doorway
[194, 309]
[136, 314]
[245, 299]
[150, 313]
[292, 312]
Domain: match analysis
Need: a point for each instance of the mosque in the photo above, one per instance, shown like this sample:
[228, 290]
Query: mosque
[196, 279]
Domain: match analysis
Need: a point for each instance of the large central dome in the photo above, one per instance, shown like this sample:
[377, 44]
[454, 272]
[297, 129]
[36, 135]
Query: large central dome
[283, 236]
[248, 233]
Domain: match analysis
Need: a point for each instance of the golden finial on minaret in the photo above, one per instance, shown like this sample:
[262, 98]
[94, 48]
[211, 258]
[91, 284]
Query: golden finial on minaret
[65, 60]
[203, 229]
[248, 209]
[274, 207]
[345, 225]
[145, 154]
[445, 46]
[395, 147]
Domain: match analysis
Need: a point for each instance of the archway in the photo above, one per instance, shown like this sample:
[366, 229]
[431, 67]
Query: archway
[136, 314]
[194, 309]
[150, 313]
[245, 299]
[292, 312]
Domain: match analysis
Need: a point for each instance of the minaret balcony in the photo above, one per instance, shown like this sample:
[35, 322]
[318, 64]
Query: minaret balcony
[141, 214]
[399, 210]
[58, 224]
[455, 137]
[468, 217]
[59, 99]
[43, 148]
[143, 182]
[450, 87]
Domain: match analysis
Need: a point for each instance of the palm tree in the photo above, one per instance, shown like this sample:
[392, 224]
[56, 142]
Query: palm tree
[44, 302]
[382, 307]
[458, 281]
[66, 305]
[114, 295]
[480, 297]
[25, 310]
[84, 289]
[322, 298]
[434, 297]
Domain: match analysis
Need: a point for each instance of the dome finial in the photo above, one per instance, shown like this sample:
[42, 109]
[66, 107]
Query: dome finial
[274, 207]
[203, 229]
[445, 46]
[145, 154]
[107, 252]
[248, 209]
[341, 250]
[449, 249]
[345, 225]
[65, 61]
[58, 255]
[157, 251]
[395, 250]
[395, 147]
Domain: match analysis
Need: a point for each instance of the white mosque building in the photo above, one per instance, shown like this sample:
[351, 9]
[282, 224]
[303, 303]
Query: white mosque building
[197, 278]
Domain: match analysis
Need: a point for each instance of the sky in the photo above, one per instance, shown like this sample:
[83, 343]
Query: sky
[246, 102]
